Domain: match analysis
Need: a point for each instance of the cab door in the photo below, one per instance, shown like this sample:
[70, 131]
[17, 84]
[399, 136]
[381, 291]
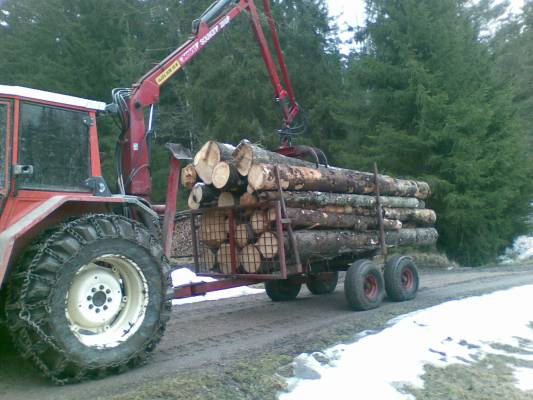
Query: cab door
[5, 146]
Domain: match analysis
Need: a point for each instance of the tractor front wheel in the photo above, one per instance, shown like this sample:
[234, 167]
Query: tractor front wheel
[90, 299]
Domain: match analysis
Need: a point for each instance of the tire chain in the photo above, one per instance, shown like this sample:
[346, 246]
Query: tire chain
[24, 324]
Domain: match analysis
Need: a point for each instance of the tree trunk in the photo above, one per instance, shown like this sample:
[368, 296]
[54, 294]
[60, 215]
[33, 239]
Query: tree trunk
[209, 156]
[246, 154]
[250, 259]
[316, 219]
[226, 177]
[314, 200]
[188, 176]
[262, 177]
[333, 243]
[212, 229]
[259, 221]
[248, 199]
[224, 258]
[226, 199]
[203, 193]
[268, 245]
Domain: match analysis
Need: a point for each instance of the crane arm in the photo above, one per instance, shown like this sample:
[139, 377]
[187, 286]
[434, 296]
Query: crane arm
[134, 149]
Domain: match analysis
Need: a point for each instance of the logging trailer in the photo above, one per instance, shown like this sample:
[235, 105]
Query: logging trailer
[84, 273]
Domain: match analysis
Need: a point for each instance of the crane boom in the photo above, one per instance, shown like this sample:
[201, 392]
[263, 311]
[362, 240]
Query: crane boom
[134, 168]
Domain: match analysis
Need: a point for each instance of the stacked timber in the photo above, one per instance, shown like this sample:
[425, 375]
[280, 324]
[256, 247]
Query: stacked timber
[332, 211]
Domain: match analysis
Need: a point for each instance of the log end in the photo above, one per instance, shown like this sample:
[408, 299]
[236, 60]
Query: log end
[221, 175]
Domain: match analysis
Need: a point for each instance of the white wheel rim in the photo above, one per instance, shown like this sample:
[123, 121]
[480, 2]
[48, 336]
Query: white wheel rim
[106, 302]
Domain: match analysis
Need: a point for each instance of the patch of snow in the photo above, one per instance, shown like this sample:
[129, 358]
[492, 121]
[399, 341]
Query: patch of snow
[3, 23]
[184, 276]
[5, 12]
[524, 378]
[378, 365]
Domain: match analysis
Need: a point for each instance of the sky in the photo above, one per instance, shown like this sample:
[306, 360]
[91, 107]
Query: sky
[352, 12]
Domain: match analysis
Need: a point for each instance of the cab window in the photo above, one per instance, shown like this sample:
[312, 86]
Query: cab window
[55, 142]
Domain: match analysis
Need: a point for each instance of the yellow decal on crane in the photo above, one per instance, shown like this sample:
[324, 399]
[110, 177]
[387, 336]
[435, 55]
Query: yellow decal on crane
[167, 73]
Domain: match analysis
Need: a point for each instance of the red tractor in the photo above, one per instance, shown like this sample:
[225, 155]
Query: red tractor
[85, 286]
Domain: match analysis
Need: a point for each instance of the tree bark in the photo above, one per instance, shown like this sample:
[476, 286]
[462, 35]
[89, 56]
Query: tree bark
[209, 156]
[315, 200]
[262, 177]
[188, 176]
[333, 243]
[246, 154]
[316, 219]
[226, 177]
[203, 193]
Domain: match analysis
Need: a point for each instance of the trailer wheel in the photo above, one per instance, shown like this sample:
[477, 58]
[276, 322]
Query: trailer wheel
[282, 290]
[90, 299]
[318, 287]
[363, 285]
[401, 278]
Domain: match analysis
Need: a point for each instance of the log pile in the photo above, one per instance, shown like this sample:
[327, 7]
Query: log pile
[332, 211]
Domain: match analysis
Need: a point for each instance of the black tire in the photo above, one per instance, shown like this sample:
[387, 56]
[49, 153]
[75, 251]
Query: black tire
[45, 294]
[319, 287]
[363, 286]
[282, 290]
[401, 278]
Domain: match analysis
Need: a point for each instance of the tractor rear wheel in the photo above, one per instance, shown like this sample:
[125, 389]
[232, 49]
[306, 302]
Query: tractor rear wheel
[91, 298]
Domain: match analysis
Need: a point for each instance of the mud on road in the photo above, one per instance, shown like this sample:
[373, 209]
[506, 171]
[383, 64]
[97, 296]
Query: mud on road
[235, 348]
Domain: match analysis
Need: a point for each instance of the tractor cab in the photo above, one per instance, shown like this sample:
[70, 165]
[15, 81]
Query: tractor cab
[49, 146]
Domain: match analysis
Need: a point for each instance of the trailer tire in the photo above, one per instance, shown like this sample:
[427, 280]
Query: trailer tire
[319, 287]
[282, 290]
[90, 299]
[363, 286]
[401, 278]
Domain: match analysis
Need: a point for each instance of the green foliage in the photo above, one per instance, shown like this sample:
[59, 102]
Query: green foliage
[425, 94]
[435, 110]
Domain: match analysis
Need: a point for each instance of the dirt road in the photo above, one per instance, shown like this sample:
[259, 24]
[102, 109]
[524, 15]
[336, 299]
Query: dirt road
[231, 341]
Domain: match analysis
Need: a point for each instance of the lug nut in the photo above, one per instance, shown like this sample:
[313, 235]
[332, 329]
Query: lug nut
[93, 290]
[108, 291]
[105, 308]
[97, 310]
[109, 299]
[89, 297]
[91, 306]
[101, 287]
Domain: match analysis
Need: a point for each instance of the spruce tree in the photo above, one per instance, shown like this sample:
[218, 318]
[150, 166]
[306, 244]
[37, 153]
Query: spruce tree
[435, 110]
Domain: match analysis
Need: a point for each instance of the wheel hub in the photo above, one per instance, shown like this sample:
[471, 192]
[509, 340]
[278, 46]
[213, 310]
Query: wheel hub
[107, 300]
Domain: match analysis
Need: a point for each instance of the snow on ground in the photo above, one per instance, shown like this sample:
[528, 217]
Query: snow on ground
[378, 365]
[184, 276]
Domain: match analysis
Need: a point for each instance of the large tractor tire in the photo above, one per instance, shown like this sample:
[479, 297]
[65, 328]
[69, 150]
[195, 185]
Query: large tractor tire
[363, 286]
[282, 290]
[90, 298]
[319, 286]
[401, 278]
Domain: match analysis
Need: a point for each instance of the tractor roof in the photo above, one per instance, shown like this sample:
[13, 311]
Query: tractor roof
[33, 94]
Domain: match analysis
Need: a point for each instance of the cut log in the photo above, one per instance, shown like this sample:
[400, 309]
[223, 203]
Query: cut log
[203, 193]
[224, 258]
[421, 217]
[248, 199]
[212, 229]
[188, 176]
[315, 219]
[207, 260]
[226, 199]
[259, 221]
[209, 156]
[333, 243]
[268, 245]
[226, 177]
[315, 200]
[246, 154]
[193, 205]
[262, 177]
[250, 259]
[243, 234]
